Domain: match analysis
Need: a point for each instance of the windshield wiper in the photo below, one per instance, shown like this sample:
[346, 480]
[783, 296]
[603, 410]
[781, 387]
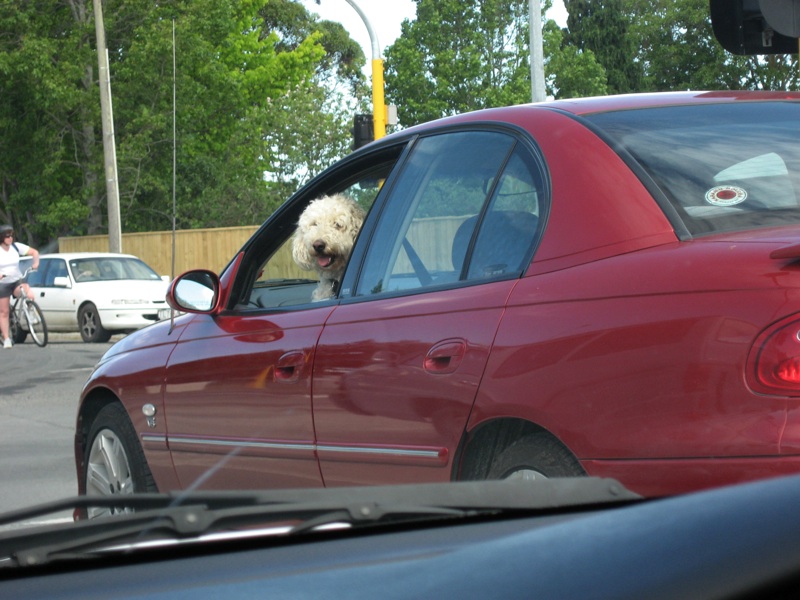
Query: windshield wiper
[159, 519]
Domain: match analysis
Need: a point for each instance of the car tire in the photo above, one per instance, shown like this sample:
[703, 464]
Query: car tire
[535, 456]
[92, 330]
[114, 462]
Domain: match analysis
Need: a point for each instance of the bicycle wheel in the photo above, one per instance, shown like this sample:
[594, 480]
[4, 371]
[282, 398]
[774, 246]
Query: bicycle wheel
[16, 329]
[36, 325]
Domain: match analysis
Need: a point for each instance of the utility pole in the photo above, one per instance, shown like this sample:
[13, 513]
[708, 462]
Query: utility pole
[379, 109]
[537, 51]
[109, 145]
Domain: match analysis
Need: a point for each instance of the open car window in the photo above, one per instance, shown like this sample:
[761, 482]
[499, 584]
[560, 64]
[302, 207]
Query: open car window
[278, 281]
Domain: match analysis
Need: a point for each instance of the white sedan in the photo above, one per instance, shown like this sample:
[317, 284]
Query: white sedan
[98, 294]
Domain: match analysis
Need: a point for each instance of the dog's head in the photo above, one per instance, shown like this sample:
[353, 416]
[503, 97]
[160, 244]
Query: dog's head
[325, 234]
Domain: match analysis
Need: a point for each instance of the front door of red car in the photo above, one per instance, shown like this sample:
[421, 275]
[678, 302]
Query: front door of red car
[399, 362]
[239, 400]
[238, 388]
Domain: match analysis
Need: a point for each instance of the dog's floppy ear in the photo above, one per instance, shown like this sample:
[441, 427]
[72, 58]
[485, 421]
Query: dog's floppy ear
[300, 253]
[357, 215]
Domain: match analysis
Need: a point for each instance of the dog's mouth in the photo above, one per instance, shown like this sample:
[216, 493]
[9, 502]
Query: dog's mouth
[325, 261]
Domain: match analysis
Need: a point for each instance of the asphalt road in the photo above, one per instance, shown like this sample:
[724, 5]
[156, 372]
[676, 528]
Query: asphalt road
[39, 389]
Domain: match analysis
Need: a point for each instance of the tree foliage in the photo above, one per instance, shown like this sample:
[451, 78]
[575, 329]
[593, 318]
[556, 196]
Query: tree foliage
[602, 28]
[653, 45]
[247, 73]
[459, 56]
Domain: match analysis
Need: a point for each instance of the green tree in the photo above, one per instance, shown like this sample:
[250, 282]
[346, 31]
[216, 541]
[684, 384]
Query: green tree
[237, 61]
[459, 56]
[570, 72]
[46, 120]
[660, 45]
[228, 67]
[677, 45]
[602, 28]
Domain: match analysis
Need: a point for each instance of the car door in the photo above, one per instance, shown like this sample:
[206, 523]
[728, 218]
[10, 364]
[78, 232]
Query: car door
[238, 384]
[399, 361]
[56, 301]
[239, 401]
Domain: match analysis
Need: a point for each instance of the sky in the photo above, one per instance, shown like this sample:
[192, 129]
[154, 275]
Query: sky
[385, 17]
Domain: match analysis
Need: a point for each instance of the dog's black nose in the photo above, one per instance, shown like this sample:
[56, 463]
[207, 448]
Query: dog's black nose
[319, 246]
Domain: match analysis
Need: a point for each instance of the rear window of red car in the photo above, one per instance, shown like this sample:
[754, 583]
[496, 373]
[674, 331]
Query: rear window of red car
[722, 167]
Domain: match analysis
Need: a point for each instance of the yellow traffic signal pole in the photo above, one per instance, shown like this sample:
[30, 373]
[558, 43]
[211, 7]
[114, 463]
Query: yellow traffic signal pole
[378, 100]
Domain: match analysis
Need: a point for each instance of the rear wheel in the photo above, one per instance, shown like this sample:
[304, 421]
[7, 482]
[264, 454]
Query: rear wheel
[35, 323]
[114, 461]
[91, 328]
[535, 456]
[17, 332]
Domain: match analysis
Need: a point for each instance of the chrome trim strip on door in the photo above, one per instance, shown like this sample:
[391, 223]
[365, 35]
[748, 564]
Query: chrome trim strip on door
[305, 447]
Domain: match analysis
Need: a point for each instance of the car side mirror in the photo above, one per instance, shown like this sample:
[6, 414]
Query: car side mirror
[194, 291]
[62, 282]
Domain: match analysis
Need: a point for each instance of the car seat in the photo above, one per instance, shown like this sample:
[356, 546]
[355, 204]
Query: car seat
[503, 242]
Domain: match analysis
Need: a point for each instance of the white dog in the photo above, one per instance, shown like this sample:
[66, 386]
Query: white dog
[325, 234]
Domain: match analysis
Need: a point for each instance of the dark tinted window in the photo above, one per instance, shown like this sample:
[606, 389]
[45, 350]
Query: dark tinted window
[465, 206]
[724, 167]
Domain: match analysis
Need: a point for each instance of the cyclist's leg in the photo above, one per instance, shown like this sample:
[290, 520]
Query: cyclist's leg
[5, 306]
[24, 288]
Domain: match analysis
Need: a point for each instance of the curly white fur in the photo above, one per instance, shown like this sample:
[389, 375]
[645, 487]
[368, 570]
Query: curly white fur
[324, 238]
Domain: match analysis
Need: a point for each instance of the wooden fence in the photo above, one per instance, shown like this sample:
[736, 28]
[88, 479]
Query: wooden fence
[213, 248]
[194, 248]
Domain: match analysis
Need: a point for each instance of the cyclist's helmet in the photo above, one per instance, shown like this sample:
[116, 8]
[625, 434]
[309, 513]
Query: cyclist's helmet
[6, 227]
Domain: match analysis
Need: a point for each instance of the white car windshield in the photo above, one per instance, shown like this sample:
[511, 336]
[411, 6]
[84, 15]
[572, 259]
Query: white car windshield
[102, 268]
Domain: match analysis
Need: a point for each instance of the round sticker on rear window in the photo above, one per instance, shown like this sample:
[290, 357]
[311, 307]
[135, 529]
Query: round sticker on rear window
[726, 195]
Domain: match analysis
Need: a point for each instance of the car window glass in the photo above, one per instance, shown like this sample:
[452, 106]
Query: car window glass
[37, 278]
[58, 268]
[721, 170]
[110, 269]
[425, 237]
[508, 228]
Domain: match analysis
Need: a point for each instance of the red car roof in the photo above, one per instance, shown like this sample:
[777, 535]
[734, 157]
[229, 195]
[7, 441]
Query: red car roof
[597, 104]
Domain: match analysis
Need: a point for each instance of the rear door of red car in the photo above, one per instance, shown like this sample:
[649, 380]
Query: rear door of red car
[399, 361]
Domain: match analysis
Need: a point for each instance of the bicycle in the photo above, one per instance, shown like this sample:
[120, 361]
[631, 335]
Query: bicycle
[26, 317]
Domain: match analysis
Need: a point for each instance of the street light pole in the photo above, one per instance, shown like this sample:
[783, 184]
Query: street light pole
[378, 100]
[109, 145]
[537, 51]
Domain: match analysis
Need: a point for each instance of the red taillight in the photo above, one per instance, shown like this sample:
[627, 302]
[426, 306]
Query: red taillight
[789, 371]
[774, 365]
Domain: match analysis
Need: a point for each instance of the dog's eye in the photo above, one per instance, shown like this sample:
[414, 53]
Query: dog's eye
[337, 225]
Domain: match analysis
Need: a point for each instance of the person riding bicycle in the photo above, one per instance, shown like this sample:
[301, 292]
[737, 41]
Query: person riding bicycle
[10, 275]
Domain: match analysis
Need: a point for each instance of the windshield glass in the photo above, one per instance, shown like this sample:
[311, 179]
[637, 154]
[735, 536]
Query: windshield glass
[104, 269]
[722, 170]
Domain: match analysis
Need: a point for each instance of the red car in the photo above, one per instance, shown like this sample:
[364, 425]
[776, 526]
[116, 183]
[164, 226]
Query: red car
[605, 286]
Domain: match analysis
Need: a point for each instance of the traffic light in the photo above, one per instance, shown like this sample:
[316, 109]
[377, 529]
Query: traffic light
[756, 26]
[363, 131]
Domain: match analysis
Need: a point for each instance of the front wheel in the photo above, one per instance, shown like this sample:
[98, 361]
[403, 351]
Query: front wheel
[114, 461]
[35, 322]
[535, 456]
[92, 330]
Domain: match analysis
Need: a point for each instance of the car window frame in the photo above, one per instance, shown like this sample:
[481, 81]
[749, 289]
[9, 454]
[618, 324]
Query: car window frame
[280, 226]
